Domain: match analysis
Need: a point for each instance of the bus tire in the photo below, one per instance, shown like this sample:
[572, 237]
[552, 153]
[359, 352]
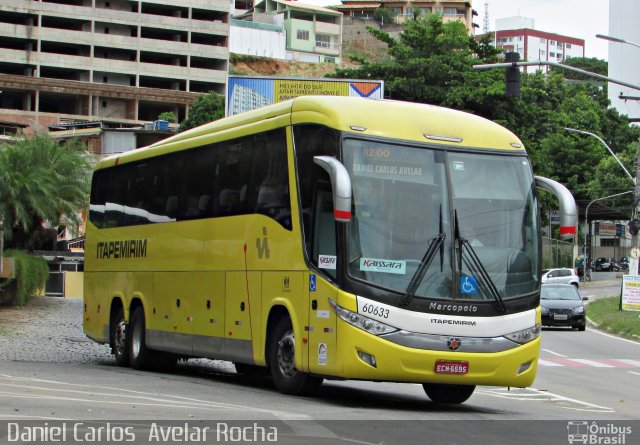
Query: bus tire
[451, 394]
[118, 338]
[141, 357]
[286, 377]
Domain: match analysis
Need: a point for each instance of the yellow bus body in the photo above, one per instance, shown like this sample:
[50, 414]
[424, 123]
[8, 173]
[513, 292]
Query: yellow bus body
[207, 291]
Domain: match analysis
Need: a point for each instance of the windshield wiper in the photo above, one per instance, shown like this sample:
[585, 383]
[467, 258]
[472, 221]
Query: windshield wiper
[477, 264]
[435, 243]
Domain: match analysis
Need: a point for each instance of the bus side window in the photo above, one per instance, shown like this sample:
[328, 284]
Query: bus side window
[324, 225]
[310, 141]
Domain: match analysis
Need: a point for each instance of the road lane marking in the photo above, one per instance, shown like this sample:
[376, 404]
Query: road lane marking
[635, 363]
[536, 395]
[543, 362]
[589, 363]
[554, 353]
[593, 363]
[631, 372]
[614, 337]
[154, 399]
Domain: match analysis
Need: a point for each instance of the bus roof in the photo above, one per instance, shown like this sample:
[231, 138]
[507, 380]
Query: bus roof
[383, 118]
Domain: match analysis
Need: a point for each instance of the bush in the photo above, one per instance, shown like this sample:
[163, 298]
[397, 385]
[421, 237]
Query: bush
[30, 276]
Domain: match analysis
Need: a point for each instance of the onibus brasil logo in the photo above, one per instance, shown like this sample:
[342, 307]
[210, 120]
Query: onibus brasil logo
[593, 433]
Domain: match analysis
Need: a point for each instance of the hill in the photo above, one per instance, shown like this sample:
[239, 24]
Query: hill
[263, 66]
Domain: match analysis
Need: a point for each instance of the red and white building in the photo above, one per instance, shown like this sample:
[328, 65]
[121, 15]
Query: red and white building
[518, 34]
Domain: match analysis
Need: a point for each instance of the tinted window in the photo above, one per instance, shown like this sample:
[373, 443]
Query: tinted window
[315, 188]
[243, 176]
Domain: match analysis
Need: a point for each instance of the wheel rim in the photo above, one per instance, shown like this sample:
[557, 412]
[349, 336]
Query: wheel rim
[120, 341]
[286, 355]
[136, 340]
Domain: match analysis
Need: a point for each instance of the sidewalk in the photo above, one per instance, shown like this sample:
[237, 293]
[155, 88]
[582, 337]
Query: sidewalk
[48, 329]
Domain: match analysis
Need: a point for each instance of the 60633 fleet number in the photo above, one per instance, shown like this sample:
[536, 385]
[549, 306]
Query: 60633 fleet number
[375, 310]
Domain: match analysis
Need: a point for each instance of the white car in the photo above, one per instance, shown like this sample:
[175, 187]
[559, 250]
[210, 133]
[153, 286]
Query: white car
[563, 275]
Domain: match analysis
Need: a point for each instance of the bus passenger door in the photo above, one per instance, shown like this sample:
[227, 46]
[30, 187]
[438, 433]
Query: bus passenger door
[322, 326]
[242, 315]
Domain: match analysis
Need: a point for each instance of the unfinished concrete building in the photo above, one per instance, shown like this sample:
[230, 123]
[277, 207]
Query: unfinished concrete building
[119, 60]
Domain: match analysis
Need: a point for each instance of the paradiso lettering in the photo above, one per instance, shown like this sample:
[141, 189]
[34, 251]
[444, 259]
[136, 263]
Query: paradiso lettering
[135, 248]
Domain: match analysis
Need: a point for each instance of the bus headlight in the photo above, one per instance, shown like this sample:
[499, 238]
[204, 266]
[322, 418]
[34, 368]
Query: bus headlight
[526, 335]
[374, 327]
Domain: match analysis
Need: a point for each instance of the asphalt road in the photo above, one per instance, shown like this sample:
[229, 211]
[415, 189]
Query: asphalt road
[50, 374]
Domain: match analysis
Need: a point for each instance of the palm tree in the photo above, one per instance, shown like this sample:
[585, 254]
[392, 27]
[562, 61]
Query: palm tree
[41, 181]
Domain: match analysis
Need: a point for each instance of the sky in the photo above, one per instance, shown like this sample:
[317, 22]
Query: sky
[582, 19]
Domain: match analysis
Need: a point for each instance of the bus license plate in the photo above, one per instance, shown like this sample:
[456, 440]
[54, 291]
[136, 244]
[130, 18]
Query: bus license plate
[451, 367]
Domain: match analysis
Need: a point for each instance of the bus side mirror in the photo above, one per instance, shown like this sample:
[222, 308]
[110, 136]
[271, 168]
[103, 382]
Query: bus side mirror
[568, 209]
[340, 185]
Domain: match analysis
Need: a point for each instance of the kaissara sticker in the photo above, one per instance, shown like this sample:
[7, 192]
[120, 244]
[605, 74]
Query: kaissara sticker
[386, 266]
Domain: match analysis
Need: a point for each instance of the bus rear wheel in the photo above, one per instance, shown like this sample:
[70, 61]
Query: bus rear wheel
[452, 394]
[141, 357]
[118, 338]
[285, 375]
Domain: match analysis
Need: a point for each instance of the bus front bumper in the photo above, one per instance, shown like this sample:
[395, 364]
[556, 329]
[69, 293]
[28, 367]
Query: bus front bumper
[366, 356]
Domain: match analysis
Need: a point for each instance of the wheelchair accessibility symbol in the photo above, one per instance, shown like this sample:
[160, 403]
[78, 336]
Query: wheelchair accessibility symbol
[312, 282]
[468, 285]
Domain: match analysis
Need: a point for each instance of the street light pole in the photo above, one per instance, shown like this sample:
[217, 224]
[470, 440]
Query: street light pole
[616, 40]
[608, 148]
[588, 228]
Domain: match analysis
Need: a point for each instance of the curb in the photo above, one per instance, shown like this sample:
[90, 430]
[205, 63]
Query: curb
[634, 338]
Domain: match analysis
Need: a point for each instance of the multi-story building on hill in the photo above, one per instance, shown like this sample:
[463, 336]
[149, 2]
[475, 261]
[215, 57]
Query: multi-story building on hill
[309, 33]
[518, 34]
[449, 9]
[121, 60]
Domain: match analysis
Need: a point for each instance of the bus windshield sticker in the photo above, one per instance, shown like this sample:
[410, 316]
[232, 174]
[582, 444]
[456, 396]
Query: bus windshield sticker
[458, 165]
[312, 282]
[327, 262]
[468, 285]
[385, 266]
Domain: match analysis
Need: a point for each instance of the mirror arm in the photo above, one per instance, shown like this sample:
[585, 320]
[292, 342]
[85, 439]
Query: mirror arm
[340, 185]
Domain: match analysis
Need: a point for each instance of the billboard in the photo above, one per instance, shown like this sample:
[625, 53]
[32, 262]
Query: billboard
[247, 93]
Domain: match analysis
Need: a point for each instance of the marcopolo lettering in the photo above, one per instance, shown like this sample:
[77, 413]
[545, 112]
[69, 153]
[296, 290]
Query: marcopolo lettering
[135, 248]
[452, 307]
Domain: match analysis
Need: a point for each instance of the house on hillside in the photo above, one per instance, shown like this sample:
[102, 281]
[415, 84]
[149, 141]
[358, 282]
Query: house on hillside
[309, 33]
[449, 10]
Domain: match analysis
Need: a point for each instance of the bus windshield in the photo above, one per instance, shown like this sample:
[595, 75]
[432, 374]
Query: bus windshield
[471, 216]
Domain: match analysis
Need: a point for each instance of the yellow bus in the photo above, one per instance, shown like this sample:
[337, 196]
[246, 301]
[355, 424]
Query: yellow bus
[325, 237]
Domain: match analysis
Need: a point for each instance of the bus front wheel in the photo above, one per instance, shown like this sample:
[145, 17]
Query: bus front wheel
[285, 375]
[442, 393]
[118, 338]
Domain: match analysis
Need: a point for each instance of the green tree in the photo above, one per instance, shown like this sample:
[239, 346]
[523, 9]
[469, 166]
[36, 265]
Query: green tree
[168, 116]
[42, 182]
[384, 16]
[206, 108]
[593, 65]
